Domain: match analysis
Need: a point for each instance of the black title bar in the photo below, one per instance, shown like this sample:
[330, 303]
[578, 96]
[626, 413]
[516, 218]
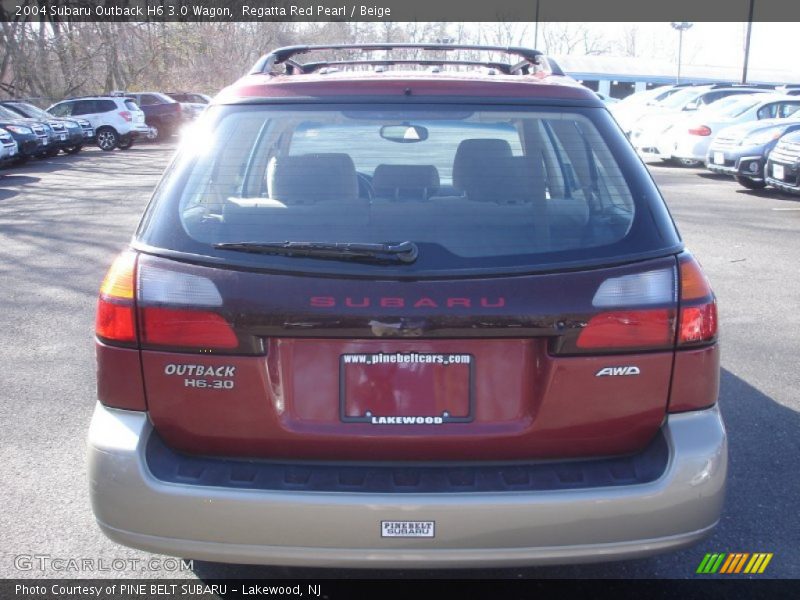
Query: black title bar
[399, 10]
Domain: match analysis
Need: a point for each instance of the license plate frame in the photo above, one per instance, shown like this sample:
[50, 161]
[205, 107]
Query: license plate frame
[428, 418]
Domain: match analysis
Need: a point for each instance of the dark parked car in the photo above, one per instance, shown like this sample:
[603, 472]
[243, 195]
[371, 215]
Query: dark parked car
[192, 104]
[8, 147]
[783, 164]
[407, 318]
[33, 137]
[76, 131]
[161, 113]
[741, 151]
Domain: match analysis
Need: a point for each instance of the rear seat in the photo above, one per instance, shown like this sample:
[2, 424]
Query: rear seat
[312, 178]
[405, 182]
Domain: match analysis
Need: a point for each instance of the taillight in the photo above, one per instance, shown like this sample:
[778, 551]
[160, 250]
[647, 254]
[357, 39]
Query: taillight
[175, 310]
[638, 314]
[181, 311]
[698, 313]
[116, 317]
[629, 329]
[186, 328]
[126, 115]
[702, 130]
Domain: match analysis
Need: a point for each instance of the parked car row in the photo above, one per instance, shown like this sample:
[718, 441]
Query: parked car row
[36, 136]
[745, 131]
[111, 121]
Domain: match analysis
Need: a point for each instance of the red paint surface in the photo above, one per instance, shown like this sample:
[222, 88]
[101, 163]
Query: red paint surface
[528, 404]
[393, 84]
[119, 377]
[695, 383]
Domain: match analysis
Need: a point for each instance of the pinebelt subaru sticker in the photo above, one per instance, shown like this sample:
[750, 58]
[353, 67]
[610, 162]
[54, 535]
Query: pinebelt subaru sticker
[407, 529]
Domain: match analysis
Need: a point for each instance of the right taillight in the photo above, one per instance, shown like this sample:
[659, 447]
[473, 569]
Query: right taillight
[628, 329]
[637, 313]
[697, 322]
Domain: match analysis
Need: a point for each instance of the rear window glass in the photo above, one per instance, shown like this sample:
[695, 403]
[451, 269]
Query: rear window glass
[471, 188]
[131, 105]
[105, 105]
[732, 106]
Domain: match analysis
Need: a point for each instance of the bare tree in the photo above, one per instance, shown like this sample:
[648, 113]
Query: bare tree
[573, 38]
[628, 43]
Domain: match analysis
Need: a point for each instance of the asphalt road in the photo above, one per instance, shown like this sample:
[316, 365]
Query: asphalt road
[63, 220]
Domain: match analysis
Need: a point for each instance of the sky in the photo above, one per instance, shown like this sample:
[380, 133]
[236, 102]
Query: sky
[772, 45]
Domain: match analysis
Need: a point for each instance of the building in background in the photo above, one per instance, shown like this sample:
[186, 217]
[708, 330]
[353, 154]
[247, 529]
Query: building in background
[621, 76]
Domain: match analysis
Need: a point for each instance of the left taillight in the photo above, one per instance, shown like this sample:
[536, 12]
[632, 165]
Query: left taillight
[116, 312]
[149, 307]
[181, 311]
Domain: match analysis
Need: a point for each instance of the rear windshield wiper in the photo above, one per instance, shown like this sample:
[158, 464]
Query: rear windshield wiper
[405, 252]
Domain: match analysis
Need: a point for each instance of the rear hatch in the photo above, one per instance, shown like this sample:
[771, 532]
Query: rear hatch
[509, 291]
[137, 114]
[511, 368]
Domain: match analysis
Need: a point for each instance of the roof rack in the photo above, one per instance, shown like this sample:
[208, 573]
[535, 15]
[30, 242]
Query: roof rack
[285, 56]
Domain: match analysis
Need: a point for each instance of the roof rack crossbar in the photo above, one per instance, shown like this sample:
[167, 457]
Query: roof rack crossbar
[315, 66]
[285, 55]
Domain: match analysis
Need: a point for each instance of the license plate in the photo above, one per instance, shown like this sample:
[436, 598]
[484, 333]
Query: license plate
[63, 137]
[777, 171]
[44, 142]
[719, 158]
[406, 389]
[426, 529]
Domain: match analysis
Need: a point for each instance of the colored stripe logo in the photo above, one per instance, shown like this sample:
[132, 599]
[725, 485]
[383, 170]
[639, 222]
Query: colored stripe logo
[736, 562]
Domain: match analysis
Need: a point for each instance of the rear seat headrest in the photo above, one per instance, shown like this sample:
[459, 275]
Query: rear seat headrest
[402, 181]
[474, 157]
[312, 178]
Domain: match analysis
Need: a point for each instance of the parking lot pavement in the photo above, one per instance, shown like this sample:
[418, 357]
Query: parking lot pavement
[62, 221]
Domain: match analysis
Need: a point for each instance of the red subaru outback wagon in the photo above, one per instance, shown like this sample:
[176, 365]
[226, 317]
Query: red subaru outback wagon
[383, 314]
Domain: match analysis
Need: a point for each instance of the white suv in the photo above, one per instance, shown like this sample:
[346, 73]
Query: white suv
[117, 121]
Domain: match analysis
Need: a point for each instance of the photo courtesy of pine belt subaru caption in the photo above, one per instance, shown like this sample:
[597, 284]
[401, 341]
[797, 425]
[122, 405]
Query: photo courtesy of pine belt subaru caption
[435, 308]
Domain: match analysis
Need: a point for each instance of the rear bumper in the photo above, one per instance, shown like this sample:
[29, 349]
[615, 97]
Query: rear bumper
[288, 527]
[652, 153]
[139, 130]
[692, 148]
